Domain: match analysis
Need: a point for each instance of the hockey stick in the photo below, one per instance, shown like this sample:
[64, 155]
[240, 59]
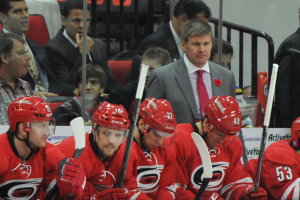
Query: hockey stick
[245, 159]
[138, 97]
[265, 129]
[206, 162]
[77, 126]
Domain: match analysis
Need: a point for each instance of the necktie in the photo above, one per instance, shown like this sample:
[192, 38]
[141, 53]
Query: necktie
[33, 71]
[203, 95]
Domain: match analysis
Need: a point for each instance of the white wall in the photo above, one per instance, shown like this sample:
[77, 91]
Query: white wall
[278, 18]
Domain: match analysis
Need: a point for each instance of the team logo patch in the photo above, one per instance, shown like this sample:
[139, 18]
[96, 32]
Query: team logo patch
[25, 169]
[19, 189]
[214, 152]
[148, 177]
[218, 168]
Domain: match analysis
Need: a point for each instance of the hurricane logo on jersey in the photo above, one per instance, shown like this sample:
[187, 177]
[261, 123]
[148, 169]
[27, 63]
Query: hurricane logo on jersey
[214, 152]
[25, 169]
[19, 189]
[216, 181]
[106, 180]
[148, 177]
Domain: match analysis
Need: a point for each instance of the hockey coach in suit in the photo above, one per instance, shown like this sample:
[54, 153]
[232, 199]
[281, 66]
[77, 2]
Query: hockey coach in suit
[180, 81]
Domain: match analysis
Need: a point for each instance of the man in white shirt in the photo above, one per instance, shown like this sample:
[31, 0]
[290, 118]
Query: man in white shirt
[65, 49]
[15, 19]
[180, 82]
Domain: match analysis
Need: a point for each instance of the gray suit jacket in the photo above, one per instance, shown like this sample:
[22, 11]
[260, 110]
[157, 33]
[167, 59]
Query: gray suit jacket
[172, 82]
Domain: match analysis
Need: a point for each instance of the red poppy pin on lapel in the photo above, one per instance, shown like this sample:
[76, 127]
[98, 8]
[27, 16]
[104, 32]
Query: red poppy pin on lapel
[218, 82]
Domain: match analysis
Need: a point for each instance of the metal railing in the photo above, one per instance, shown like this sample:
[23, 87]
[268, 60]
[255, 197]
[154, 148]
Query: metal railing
[255, 34]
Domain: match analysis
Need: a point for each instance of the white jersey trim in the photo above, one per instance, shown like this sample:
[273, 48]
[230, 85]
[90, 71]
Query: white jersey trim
[295, 186]
[241, 181]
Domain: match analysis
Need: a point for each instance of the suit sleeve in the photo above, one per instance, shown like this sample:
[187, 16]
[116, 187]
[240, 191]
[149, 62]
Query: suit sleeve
[155, 87]
[99, 57]
[232, 86]
[283, 91]
[61, 69]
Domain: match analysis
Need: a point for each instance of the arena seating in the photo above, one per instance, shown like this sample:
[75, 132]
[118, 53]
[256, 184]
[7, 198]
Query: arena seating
[38, 30]
[120, 70]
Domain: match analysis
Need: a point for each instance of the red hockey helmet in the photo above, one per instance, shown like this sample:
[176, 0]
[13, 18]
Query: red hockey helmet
[158, 114]
[295, 132]
[111, 116]
[224, 115]
[28, 109]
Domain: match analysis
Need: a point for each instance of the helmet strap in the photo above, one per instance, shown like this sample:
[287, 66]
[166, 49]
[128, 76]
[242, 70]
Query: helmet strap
[27, 143]
[24, 140]
[142, 141]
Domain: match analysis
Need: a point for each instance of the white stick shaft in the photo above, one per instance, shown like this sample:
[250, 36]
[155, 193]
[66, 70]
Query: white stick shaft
[204, 153]
[138, 97]
[271, 95]
[77, 126]
[140, 89]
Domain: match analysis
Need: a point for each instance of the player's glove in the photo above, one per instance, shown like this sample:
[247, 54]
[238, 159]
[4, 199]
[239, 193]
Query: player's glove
[113, 194]
[71, 178]
[89, 191]
[214, 196]
[246, 110]
[261, 193]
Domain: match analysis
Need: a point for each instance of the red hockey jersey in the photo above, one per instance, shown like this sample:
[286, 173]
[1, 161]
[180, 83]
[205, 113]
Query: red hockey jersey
[154, 171]
[228, 177]
[280, 174]
[23, 178]
[102, 175]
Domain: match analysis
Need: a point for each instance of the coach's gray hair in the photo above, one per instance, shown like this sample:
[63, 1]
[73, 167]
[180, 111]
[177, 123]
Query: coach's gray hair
[195, 27]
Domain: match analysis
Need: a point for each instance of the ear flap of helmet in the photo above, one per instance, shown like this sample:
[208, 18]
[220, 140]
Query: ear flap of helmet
[295, 132]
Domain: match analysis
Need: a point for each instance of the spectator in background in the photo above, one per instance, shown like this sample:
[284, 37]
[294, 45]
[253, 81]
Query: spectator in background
[65, 49]
[14, 62]
[95, 85]
[189, 82]
[154, 57]
[247, 92]
[227, 53]
[15, 19]
[288, 83]
[168, 36]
